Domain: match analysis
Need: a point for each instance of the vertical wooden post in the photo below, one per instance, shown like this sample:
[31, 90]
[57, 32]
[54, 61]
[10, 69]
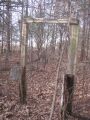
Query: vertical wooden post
[69, 87]
[74, 31]
[68, 83]
[22, 85]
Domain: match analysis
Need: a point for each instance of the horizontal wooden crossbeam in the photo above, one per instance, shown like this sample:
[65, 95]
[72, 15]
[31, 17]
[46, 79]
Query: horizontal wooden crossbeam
[50, 21]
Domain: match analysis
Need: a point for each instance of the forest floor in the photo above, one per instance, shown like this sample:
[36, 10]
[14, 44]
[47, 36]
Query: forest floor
[40, 90]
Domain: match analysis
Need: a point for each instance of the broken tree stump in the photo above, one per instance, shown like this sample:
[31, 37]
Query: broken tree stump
[68, 89]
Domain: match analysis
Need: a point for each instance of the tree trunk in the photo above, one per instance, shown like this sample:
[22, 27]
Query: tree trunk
[8, 26]
[2, 32]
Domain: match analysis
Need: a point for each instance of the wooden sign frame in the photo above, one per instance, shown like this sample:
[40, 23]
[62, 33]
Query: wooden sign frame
[73, 23]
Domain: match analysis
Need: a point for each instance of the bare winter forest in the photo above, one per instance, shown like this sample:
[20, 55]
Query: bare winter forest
[44, 59]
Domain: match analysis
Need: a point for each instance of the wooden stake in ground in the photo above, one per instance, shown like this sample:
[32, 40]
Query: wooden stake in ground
[22, 85]
[68, 83]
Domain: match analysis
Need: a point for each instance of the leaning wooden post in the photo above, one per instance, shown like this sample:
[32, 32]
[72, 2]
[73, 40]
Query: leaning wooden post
[68, 82]
[22, 85]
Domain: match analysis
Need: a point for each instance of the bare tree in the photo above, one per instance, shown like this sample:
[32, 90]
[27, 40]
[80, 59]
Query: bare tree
[8, 25]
